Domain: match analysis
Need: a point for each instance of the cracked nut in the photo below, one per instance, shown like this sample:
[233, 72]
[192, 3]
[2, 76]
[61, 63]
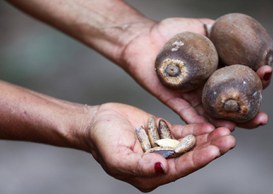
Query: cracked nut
[167, 143]
[160, 141]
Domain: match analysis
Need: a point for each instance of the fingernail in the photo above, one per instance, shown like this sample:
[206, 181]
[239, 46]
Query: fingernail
[267, 76]
[158, 168]
[262, 124]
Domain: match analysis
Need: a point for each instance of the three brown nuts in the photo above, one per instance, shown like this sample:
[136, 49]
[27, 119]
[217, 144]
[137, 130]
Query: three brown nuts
[234, 92]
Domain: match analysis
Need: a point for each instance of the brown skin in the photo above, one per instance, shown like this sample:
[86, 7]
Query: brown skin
[240, 39]
[107, 131]
[233, 93]
[125, 36]
[186, 61]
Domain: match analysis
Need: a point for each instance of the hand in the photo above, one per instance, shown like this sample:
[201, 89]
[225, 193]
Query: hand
[139, 57]
[115, 146]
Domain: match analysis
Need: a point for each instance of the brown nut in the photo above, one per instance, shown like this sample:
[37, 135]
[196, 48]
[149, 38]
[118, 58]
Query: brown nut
[152, 131]
[164, 131]
[186, 144]
[143, 138]
[186, 61]
[240, 39]
[233, 93]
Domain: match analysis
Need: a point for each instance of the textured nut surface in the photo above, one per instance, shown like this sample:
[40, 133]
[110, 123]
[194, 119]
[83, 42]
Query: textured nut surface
[163, 130]
[186, 144]
[240, 39]
[152, 131]
[233, 93]
[186, 61]
[143, 138]
[166, 147]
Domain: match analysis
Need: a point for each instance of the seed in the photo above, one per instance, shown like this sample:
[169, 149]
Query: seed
[185, 144]
[233, 93]
[167, 143]
[152, 131]
[240, 39]
[143, 138]
[163, 130]
[166, 146]
[165, 152]
[186, 61]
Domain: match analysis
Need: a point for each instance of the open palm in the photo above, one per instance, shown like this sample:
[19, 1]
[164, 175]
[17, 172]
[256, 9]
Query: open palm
[140, 54]
[116, 148]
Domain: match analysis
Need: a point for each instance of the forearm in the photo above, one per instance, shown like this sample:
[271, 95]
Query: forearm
[30, 116]
[105, 25]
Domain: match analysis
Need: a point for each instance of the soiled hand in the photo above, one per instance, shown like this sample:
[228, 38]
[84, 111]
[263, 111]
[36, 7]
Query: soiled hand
[139, 58]
[115, 146]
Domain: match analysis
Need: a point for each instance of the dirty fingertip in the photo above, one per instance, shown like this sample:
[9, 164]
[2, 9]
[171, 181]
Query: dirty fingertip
[265, 73]
[152, 164]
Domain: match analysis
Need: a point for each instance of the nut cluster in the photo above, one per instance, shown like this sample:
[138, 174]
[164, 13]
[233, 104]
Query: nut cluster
[159, 140]
[188, 61]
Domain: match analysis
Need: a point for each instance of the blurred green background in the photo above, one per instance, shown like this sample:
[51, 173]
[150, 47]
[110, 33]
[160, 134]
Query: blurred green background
[38, 57]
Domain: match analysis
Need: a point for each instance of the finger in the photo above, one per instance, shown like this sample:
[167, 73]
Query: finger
[185, 110]
[181, 167]
[221, 138]
[142, 165]
[265, 73]
[223, 123]
[260, 119]
[217, 143]
[193, 161]
[208, 23]
[224, 143]
[205, 140]
[219, 132]
[196, 129]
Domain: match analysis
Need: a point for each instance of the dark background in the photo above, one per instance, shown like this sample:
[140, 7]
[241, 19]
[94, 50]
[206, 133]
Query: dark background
[38, 57]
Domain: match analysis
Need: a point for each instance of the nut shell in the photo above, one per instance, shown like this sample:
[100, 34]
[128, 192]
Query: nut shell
[152, 131]
[143, 138]
[233, 93]
[186, 61]
[164, 131]
[240, 39]
[165, 152]
[186, 144]
[167, 143]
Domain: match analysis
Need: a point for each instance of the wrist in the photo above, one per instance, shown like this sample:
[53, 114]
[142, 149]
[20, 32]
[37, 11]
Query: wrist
[77, 133]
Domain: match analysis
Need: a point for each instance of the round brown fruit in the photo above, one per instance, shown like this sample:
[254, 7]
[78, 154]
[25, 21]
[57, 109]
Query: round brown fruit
[240, 39]
[233, 93]
[186, 61]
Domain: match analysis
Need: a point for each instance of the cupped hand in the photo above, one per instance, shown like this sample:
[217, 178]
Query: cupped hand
[115, 146]
[139, 58]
